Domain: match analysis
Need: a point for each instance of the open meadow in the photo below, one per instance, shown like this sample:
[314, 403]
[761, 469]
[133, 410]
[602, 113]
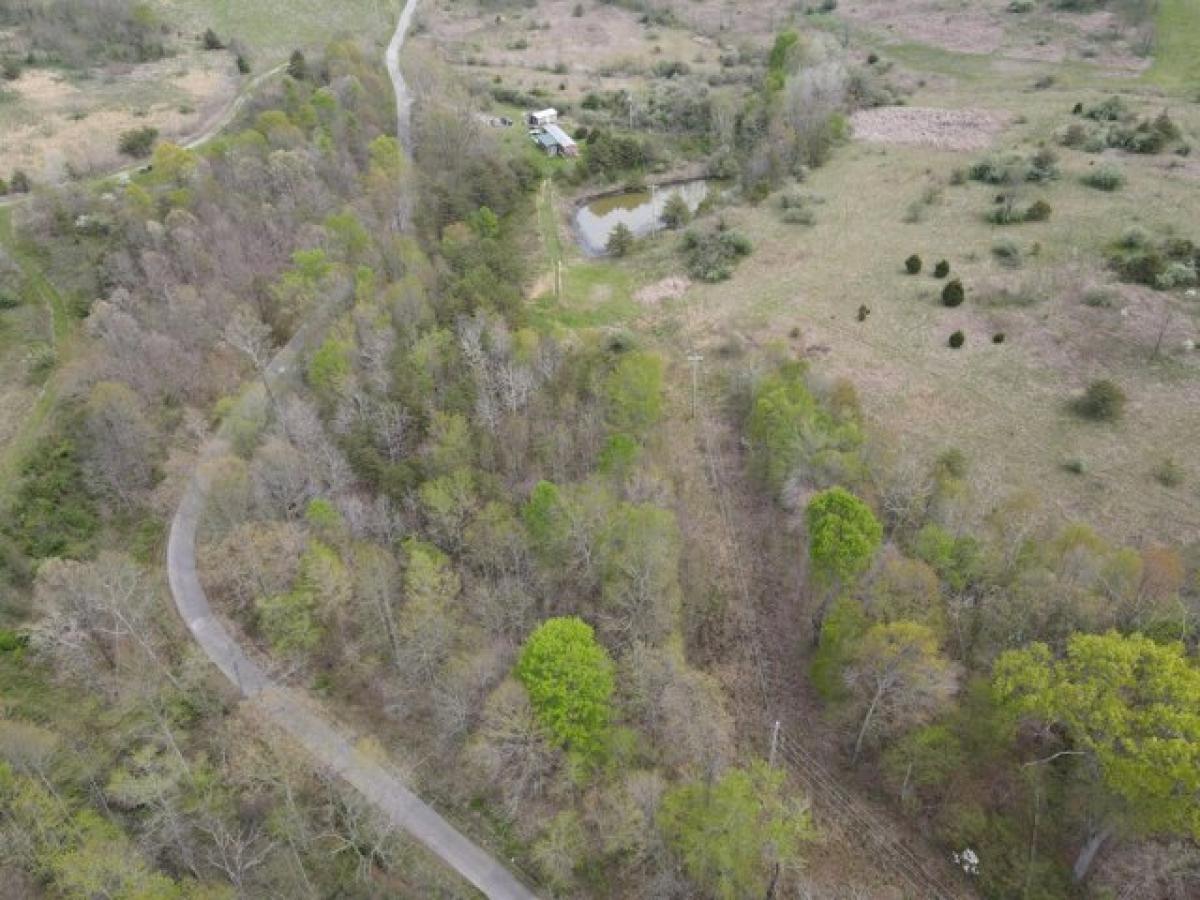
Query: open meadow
[1044, 314]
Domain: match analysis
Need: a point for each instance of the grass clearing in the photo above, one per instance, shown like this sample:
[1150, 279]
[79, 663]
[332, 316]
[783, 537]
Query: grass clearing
[1177, 55]
[43, 319]
[271, 29]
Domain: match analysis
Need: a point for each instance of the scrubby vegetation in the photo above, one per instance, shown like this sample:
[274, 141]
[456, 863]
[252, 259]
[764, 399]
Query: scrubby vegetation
[80, 33]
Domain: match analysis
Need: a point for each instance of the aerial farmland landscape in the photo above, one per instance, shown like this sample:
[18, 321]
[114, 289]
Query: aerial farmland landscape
[600, 449]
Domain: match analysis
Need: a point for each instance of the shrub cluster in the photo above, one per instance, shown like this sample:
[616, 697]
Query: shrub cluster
[1166, 264]
[942, 269]
[138, 142]
[1104, 178]
[912, 265]
[1117, 128]
[1041, 167]
[1006, 212]
[711, 257]
[957, 339]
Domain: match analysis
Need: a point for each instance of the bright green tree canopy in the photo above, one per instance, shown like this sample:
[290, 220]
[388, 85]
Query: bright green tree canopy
[634, 393]
[1129, 703]
[568, 676]
[843, 534]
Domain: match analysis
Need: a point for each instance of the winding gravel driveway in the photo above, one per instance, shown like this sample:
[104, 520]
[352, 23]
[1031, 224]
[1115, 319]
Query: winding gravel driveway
[290, 710]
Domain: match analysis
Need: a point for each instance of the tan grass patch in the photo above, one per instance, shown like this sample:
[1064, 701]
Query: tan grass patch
[965, 29]
[944, 129]
[57, 125]
[671, 288]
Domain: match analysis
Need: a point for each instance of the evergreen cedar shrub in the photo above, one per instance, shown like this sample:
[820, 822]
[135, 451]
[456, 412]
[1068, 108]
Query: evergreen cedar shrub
[1103, 401]
[569, 678]
[998, 337]
[620, 240]
[957, 340]
[942, 269]
[912, 265]
[20, 183]
[953, 293]
[212, 41]
[243, 64]
[297, 66]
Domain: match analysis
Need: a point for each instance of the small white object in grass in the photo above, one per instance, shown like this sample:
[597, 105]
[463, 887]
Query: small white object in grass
[1191, 292]
[1124, 310]
[1189, 345]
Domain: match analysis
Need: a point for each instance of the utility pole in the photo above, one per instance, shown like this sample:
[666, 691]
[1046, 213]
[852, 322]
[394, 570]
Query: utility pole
[695, 359]
[774, 744]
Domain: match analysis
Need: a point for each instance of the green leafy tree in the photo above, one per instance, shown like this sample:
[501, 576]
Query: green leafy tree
[329, 368]
[787, 428]
[843, 535]
[569, 678]
[734, 834]
[899, 678]
[1130, 711]
[634, 391]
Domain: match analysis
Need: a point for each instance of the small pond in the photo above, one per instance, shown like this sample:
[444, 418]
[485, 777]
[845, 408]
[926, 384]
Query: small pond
[639, 211]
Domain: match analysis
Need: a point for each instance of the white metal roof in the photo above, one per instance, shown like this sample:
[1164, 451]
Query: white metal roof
[561, 137]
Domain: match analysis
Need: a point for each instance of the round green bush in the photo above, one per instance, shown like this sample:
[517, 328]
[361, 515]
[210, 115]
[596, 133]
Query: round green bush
[942, 269]
[912, 265]
[953, 293]
[998, 337]
[957, 340]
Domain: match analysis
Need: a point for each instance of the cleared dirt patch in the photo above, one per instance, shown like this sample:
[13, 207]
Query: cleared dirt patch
[944, 129]
[668, 289]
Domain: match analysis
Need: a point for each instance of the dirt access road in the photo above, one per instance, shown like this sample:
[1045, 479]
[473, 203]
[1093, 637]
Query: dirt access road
[297, 715]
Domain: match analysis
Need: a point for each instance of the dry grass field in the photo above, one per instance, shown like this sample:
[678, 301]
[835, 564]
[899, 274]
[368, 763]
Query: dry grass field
[54, 122]
[58, 122]
[888, 194]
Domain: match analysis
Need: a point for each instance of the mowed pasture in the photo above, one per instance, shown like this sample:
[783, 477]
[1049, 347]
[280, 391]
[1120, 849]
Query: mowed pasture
[271, 29]
[1007, 405]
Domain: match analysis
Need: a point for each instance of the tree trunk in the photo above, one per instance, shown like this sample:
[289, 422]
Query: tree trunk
[862, 732]
[1087, 853]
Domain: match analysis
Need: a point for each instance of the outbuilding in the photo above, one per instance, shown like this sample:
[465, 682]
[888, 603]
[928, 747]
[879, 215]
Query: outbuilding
[542, 118]
[556, 142]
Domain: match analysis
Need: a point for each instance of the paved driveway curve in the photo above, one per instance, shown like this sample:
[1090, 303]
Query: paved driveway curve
[294, 713]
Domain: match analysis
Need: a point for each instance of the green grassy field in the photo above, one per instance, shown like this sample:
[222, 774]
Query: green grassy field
[271, 29]
[1177, 55]
[43, 317]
